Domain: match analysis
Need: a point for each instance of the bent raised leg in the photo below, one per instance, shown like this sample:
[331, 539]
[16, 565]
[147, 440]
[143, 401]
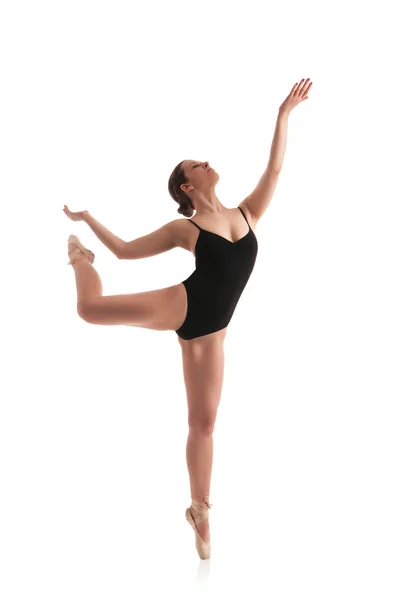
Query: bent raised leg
[162, 309]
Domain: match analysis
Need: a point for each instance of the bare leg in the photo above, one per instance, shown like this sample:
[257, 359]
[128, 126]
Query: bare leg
[163, 309]
[87, 280]
[203, 362]
[199, 454]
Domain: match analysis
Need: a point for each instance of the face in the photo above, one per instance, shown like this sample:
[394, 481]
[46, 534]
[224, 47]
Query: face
[200, 175]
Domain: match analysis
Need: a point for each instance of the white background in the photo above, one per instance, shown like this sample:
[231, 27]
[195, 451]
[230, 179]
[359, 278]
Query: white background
[99, 102]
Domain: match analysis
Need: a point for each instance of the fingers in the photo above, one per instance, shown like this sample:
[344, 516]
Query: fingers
[67, 212]
[302, 88]
[294, 89]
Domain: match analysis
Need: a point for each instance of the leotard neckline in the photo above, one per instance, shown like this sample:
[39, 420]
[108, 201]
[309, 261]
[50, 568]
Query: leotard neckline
[221, 236]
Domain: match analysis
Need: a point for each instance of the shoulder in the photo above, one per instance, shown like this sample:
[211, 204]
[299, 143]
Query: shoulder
[181, 232]
[246, 210]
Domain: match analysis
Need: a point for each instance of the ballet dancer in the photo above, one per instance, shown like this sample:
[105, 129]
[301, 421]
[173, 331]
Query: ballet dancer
[199, 309]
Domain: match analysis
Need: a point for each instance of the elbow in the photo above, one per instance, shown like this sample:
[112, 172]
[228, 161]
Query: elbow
[120, 252]
[127, 251]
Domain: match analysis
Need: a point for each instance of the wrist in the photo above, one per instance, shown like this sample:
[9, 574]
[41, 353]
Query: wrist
[283, 112]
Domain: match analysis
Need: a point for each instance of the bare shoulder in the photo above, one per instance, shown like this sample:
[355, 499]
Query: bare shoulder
[246, 210]
[181, 232]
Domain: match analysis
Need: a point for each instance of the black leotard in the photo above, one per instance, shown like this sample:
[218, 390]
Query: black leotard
[214, 288]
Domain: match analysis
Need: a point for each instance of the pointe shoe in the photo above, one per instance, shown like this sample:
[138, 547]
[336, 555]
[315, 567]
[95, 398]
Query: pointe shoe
[79, 253]
[201, 512]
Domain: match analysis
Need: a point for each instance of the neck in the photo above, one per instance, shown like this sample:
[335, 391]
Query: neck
[207, 204]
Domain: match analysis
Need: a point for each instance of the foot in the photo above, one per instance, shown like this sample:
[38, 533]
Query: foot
[203, 527]
[72, 247]
[80, 255]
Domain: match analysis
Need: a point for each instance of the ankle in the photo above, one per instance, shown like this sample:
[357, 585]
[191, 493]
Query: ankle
[201, 503]
[200, 510]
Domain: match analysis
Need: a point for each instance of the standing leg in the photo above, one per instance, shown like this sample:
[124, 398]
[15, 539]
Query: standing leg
[203, 362]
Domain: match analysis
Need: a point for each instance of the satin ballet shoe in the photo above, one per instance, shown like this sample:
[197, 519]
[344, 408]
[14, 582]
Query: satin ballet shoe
[79, 253]
[199, 515]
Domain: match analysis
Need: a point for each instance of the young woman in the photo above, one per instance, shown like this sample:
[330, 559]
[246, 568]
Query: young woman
[200, 308]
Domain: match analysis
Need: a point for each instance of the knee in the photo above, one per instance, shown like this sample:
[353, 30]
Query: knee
[201, 426]
[85, 311]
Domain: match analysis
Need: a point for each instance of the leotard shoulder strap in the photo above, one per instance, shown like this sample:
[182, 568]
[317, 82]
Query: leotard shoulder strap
[194, 224]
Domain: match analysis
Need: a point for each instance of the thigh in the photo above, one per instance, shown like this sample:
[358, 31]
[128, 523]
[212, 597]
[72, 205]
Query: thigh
[162, 309]
[203, 365]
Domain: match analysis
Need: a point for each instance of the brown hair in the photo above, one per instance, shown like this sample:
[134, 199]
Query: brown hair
[176, 179]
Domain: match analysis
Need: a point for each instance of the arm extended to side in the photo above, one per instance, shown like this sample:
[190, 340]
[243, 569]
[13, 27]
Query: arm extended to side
[163, 239]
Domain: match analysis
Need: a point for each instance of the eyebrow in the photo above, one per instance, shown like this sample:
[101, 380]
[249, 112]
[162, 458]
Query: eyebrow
[194, 163]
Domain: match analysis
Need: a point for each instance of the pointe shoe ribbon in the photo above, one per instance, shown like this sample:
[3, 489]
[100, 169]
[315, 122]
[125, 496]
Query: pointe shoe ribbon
[200, 514]
[79, 253]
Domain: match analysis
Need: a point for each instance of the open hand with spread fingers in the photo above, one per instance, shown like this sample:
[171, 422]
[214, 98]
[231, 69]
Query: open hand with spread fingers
[297, 95]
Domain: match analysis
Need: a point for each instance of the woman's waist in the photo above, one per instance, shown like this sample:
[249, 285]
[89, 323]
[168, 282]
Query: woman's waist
[213, 281]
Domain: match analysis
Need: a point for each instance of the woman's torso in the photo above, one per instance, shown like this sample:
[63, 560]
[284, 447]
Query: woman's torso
[232, 227]
[222, 269]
